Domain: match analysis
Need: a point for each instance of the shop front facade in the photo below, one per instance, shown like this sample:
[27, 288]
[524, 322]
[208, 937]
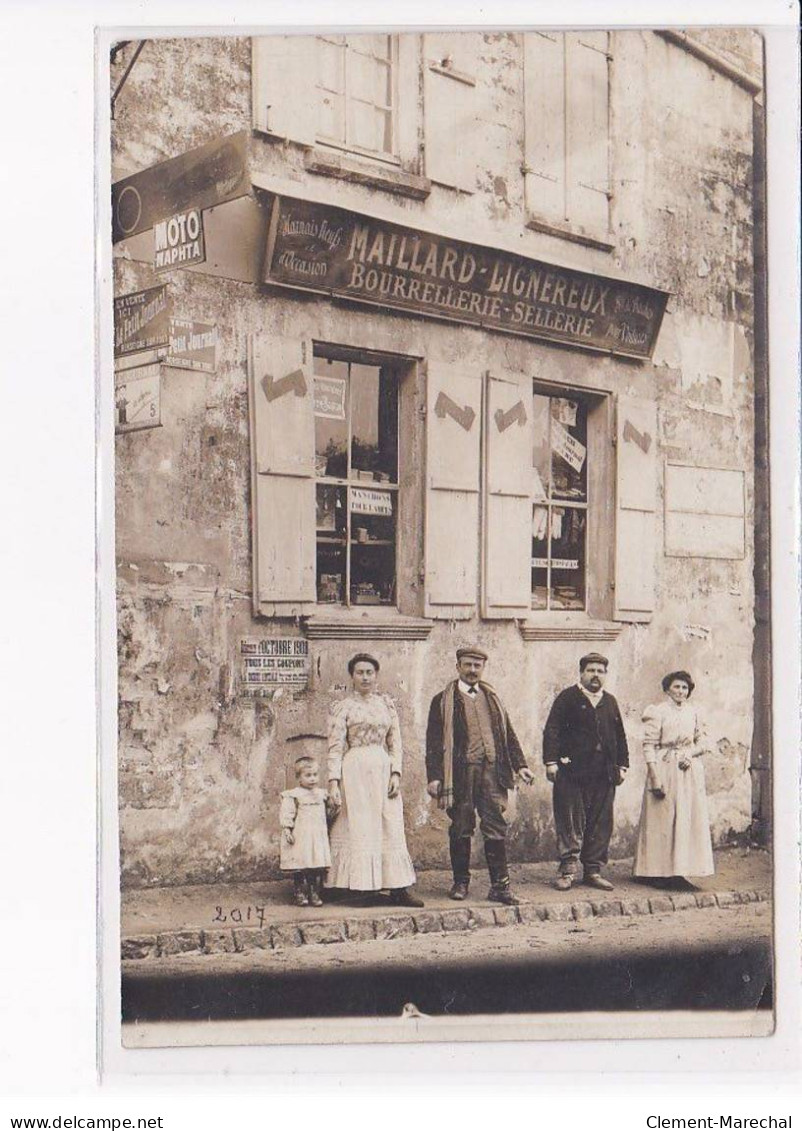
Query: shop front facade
[424, 341]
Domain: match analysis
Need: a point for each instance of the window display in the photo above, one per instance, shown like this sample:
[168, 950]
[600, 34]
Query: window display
[559, 511]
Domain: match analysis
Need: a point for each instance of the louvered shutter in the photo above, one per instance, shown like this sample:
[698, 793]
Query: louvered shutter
[453, 427]
[283, 502]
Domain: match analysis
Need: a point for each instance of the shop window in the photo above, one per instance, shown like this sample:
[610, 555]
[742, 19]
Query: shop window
[356, 102]
[559, 503]
[337, 436]
[356, 482]
[567, 133]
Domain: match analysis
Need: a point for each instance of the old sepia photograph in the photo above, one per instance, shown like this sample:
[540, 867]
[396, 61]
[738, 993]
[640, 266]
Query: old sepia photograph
[441, 534]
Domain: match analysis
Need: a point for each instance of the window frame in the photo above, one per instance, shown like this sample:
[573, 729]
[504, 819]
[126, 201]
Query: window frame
[599, 507]
[551, 503]
[408, 488]
[392, 159]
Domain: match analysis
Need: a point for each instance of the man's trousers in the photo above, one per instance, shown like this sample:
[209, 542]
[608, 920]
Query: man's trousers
[483, 795]
[583, 818]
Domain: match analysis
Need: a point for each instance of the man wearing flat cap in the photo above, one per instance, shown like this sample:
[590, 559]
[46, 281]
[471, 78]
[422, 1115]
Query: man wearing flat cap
[472, 758]
[586, 756]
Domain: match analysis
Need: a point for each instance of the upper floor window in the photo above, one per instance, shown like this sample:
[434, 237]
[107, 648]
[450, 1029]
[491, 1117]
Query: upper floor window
[396, 112]
[567, 132]
[356, 102]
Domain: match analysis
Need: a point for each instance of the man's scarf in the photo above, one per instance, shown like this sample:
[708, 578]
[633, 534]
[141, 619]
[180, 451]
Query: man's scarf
[446, 798]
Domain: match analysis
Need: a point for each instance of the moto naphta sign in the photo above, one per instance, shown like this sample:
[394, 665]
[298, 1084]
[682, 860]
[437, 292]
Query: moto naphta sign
[179, 242]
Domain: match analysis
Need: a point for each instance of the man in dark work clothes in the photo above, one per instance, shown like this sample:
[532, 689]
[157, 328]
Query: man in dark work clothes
[586, 756]
[472, 757]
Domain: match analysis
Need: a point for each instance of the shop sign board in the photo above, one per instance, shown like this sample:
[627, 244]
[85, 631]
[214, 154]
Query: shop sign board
[179, 241]
[202, 178]
[281, 661]
[141, 320]
[192, 345]
[346, 254]
[137, 399]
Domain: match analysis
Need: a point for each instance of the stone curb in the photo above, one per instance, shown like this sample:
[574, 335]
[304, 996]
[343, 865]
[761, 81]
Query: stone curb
[277, 936]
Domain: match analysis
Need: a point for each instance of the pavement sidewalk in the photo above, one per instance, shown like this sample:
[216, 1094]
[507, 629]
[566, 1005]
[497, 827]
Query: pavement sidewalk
[231, 918]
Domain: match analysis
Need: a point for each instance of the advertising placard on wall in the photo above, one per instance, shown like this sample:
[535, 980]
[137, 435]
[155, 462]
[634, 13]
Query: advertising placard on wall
[202, 178]
[266, 665]
[141, 320]
[192, 345]
[137, 399]
[179, 241]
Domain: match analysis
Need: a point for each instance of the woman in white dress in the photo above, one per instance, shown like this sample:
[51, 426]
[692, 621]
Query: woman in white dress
[674, 835]
[368, 844]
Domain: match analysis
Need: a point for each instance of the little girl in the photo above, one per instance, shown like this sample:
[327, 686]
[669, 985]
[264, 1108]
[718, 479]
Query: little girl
[304, 834]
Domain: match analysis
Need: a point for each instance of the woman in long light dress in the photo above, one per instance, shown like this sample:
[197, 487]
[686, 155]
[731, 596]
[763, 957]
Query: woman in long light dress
[368, 844]
[674, 835]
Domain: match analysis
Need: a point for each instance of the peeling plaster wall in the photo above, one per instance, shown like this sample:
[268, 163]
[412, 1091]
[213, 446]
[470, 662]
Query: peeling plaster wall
[200, 767]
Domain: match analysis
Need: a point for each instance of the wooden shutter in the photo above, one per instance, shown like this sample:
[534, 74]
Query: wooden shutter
[283, 485]
[588, 129]
[636, 503]
[451, 553]
[544, 124]
[449, 109]
[283, 86]
[507, 510]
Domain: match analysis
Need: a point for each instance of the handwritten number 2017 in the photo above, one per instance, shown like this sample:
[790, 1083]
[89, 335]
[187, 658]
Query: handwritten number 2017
[247, 914]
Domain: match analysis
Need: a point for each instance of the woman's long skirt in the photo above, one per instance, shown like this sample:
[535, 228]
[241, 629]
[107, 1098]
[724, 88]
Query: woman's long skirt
[674, 833]
[368, 844]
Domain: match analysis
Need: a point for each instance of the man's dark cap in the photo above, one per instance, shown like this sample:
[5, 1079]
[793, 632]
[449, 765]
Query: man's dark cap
[470, 650]
[593, 658]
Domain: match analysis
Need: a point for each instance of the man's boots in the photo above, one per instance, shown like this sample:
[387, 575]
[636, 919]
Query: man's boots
[460, 865]
[496, 855]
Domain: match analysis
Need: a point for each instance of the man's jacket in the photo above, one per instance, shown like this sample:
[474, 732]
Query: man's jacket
[592, 738]
[509, 756]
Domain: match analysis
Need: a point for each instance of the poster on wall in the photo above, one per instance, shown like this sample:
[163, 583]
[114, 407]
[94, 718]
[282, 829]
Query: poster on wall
[137, 399]
[266, 665]
[141, 320]
[192, 345]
